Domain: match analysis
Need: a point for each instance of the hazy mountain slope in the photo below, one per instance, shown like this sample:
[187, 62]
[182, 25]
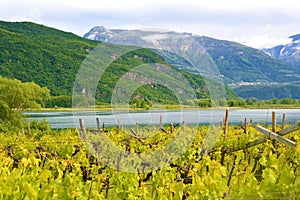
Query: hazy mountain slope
[247, 70]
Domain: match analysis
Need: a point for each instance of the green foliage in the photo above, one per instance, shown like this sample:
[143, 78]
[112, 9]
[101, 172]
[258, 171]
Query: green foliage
[19, 96]
[39, 128]
[284, 103]
[236, 103]
[49, 57]
[252, 102]
[63, 101]
[16, 96]
[148, 92]
[58, 165]
[42, 125]
[265, 92]
[8, 118]
[140, 103]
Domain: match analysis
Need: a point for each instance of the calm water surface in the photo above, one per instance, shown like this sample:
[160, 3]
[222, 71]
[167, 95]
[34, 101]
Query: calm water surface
[70, 119]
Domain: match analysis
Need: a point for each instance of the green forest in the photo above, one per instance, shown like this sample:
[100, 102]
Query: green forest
[52, 58]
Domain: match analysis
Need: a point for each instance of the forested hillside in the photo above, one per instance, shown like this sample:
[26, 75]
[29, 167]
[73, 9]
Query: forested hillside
[52, 58]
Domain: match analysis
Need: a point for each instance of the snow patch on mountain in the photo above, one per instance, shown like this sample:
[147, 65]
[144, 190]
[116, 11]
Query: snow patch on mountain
[289, 52]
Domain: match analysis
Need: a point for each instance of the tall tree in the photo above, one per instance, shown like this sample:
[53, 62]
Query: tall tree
[16, 96]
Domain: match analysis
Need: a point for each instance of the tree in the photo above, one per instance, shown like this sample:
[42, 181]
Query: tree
[16, 96]
[286, 101]
[275, 101]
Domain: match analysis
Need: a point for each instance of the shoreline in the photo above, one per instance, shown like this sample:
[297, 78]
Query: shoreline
[169, 108]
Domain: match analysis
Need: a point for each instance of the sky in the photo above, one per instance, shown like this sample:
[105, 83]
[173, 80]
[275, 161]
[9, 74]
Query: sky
[256, 23]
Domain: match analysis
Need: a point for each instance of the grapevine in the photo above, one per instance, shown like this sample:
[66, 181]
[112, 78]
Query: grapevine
[59, 165]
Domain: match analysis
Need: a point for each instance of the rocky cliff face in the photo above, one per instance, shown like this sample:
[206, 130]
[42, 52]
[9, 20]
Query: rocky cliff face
[102, 34]
[246, 70]
[289, 53]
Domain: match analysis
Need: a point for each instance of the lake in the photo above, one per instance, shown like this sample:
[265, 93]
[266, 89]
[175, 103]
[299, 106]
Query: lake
[60, 120]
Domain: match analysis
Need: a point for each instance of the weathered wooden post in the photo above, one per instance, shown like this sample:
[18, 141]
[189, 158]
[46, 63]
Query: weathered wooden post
[98, 124]
[160, 121]
[274, 122]
[245, 126]
[81, 130]
[283, 121]
[171, 127]
[103, 127]
[81, 124]
[137, 127]
[226, 122]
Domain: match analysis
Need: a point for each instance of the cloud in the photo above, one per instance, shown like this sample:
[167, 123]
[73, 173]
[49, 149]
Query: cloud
[266, 41]
[241, 21]
[27, 15]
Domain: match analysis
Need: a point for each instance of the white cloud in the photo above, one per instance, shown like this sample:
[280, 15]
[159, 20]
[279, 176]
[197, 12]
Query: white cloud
[252, 22]
[265, 41]
[30, 14]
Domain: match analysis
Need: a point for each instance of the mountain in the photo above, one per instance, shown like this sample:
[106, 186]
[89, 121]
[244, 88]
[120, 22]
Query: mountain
[52, 58]
[289, 52]
[102, 34]
[246, 70]
[46, 56]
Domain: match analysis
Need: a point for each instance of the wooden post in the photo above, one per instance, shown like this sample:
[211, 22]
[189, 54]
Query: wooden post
[245, 128]
[132, 131]
[118, 126]
[98, 124]
[283, 121]
[263, 139]
[160, 121]
[28, 129]
[290, 129]
[276, 136]
[226, 122]
[23, 132]
[183, 125]
[81, 124]
[274, 122]
[103, 128]
[137, 127]
[172, 127]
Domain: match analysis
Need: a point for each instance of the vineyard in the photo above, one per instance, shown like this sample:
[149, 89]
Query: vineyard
[56, 164]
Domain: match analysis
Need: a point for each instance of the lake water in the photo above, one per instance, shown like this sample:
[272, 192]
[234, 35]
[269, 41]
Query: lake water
[71, 119]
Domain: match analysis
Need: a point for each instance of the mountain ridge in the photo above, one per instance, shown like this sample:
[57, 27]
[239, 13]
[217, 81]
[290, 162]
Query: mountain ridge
[240, 66]
[289, 52]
